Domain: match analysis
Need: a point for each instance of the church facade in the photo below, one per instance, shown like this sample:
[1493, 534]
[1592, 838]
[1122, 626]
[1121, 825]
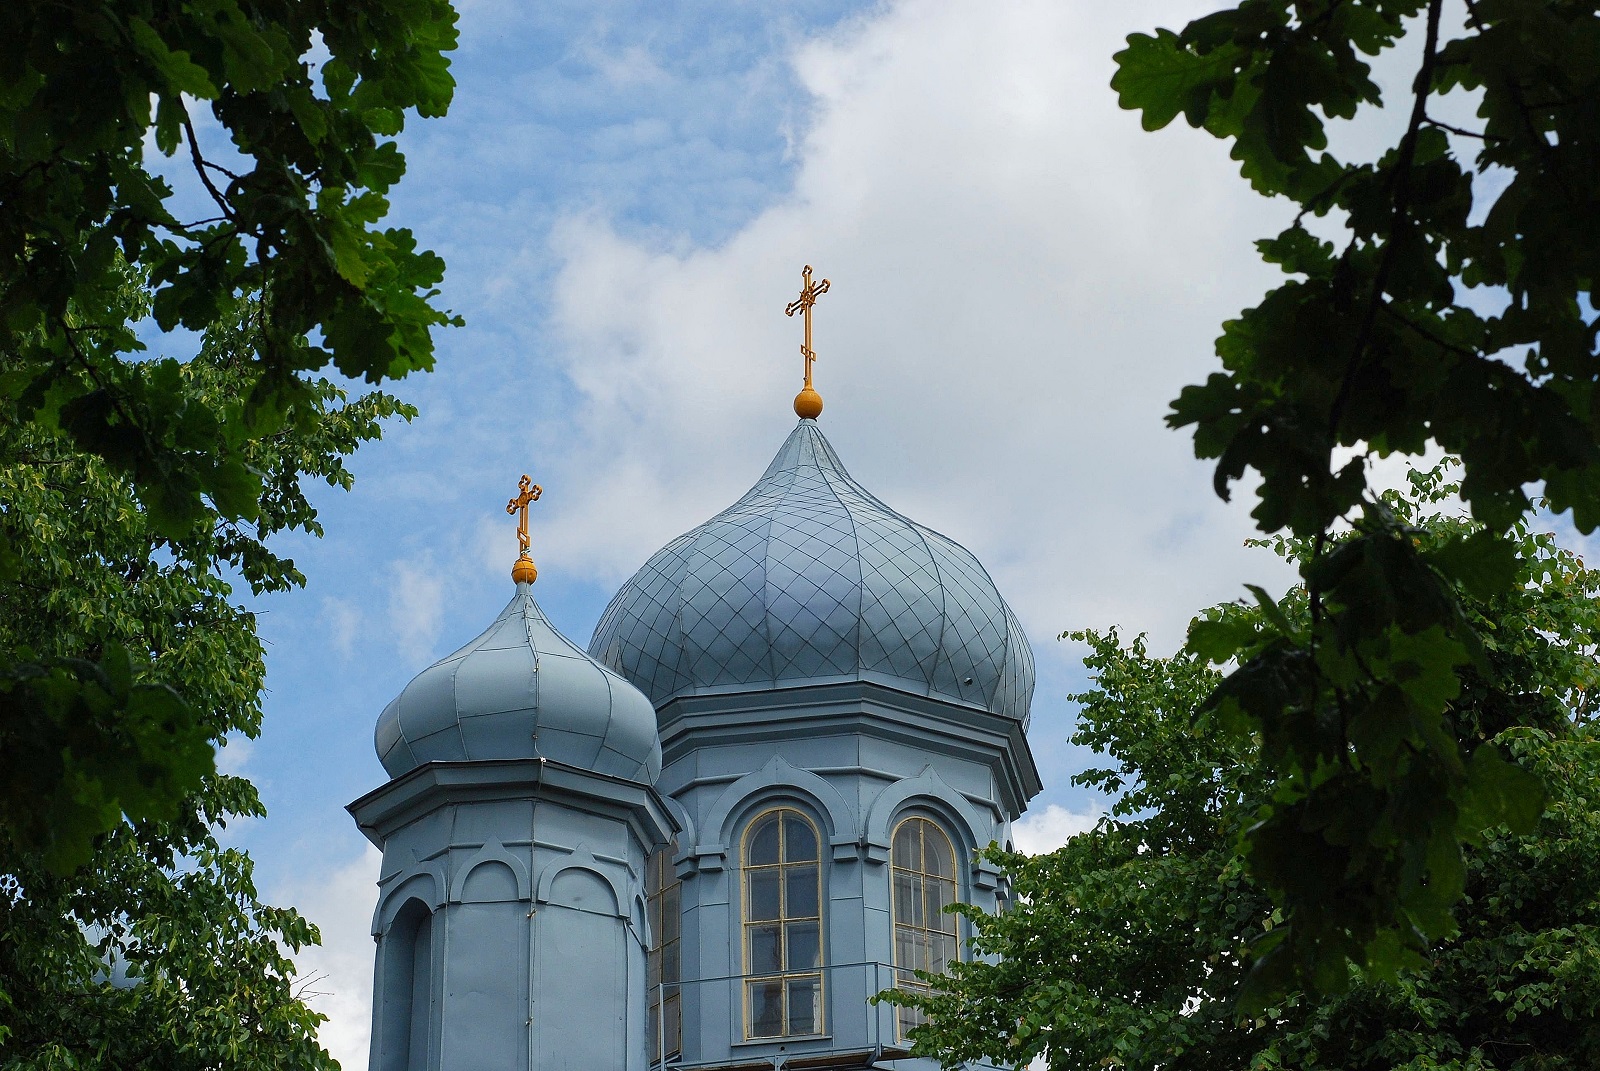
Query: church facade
[709, 838]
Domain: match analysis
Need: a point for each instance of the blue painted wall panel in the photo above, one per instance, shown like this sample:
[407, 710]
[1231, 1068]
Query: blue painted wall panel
[486, 981]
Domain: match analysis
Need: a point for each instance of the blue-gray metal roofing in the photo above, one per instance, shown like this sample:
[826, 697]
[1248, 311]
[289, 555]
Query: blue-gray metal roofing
[809, 579]
[521, 690]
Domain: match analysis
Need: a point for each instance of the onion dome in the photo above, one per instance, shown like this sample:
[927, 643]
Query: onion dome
[521, 691]
[809, 579]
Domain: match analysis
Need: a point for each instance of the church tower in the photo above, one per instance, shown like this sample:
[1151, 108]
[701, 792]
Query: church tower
[708, 841]
[515, 829]
[842, 697]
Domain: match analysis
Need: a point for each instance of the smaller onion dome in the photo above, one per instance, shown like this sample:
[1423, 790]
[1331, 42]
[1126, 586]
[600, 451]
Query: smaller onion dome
[521, 691]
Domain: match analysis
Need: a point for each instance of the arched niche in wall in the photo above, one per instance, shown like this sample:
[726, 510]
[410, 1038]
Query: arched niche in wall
[776, 780]
[406, 988]
[421, 881]
[582, 883]
[960, 820]
[637, 918]
[491, 875]
[583, 890]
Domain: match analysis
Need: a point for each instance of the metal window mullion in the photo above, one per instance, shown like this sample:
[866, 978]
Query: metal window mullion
[783, 925]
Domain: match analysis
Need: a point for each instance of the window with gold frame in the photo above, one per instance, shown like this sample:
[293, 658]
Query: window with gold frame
[781, 873]
[923, 883]
[663, 898]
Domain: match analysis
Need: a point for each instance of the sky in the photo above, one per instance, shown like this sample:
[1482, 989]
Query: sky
[625, 194]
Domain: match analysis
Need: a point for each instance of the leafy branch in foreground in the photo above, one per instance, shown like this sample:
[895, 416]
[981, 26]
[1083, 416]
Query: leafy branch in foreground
[87, 892]
[280, 118]
[1127, 947]
[1457, 313]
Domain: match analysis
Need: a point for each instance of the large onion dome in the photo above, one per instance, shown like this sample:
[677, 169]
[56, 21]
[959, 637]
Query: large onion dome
[809, 579]
[521, 691]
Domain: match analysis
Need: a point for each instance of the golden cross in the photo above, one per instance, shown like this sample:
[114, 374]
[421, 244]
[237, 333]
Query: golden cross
[808, 297]
[530, 492]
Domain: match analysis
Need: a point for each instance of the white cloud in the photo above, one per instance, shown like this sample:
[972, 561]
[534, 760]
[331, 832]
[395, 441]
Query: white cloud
[235, 755]
[343, 619]
[337, 975]
[1022, 279]
[1048, 829]
[416, 608]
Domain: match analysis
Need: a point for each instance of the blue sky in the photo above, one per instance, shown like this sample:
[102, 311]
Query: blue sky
[672, 127]
[625, 195]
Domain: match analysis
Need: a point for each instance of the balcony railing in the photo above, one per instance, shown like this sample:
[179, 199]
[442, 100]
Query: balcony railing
[819, 1017]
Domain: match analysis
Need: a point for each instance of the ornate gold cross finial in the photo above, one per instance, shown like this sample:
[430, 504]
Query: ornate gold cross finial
[523, 571]
[808, 403]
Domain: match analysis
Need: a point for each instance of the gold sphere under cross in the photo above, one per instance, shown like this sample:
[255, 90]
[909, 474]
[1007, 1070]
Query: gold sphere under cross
[523, 570]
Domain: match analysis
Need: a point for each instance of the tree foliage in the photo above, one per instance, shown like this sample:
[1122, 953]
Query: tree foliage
[104, 108]
[160, 899]
[1456, 311]
[1126, 948]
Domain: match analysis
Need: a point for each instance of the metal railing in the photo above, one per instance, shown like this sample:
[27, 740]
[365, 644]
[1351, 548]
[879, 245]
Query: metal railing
[846, 1026]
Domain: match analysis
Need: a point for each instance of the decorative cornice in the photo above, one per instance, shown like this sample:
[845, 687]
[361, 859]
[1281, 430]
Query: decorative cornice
[692, 722]
[439, 784]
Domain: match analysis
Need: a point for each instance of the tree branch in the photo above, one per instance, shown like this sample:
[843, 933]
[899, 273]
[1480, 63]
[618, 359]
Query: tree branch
[200, 165]
[1480, 135]
[1398, 217]
[1406, 321]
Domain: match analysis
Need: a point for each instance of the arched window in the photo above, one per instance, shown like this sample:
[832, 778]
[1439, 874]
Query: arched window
[407, 989]
[923, 870]
[782, 926]
[662, 894]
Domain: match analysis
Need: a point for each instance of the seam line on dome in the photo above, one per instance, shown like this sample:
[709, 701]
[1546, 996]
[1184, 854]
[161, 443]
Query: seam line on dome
[793, 472]
[611, 716]
[1001, 679]
[455, 697]
[944, 613]
[677, 553]
[855, 536]
[679, 645]
[527, 630]
[1007, 614]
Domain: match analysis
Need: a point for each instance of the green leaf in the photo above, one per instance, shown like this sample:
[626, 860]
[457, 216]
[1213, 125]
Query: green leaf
[1423, 665]
[235, 490]
[1160, 77]
[1500, 794]
[1270, 610]
[1220, 639]
[182, 74]
[1482, 562]
[118, 669]
[249, 56]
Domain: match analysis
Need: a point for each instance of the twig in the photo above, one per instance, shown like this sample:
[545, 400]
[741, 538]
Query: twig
[200, 166]
[1480, 135]
[1458, 350]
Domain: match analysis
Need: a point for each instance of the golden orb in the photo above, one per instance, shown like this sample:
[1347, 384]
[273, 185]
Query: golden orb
[523, 571]
[808, 404]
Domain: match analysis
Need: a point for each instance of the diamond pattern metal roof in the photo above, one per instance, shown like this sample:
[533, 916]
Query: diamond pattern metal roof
[809, 579]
